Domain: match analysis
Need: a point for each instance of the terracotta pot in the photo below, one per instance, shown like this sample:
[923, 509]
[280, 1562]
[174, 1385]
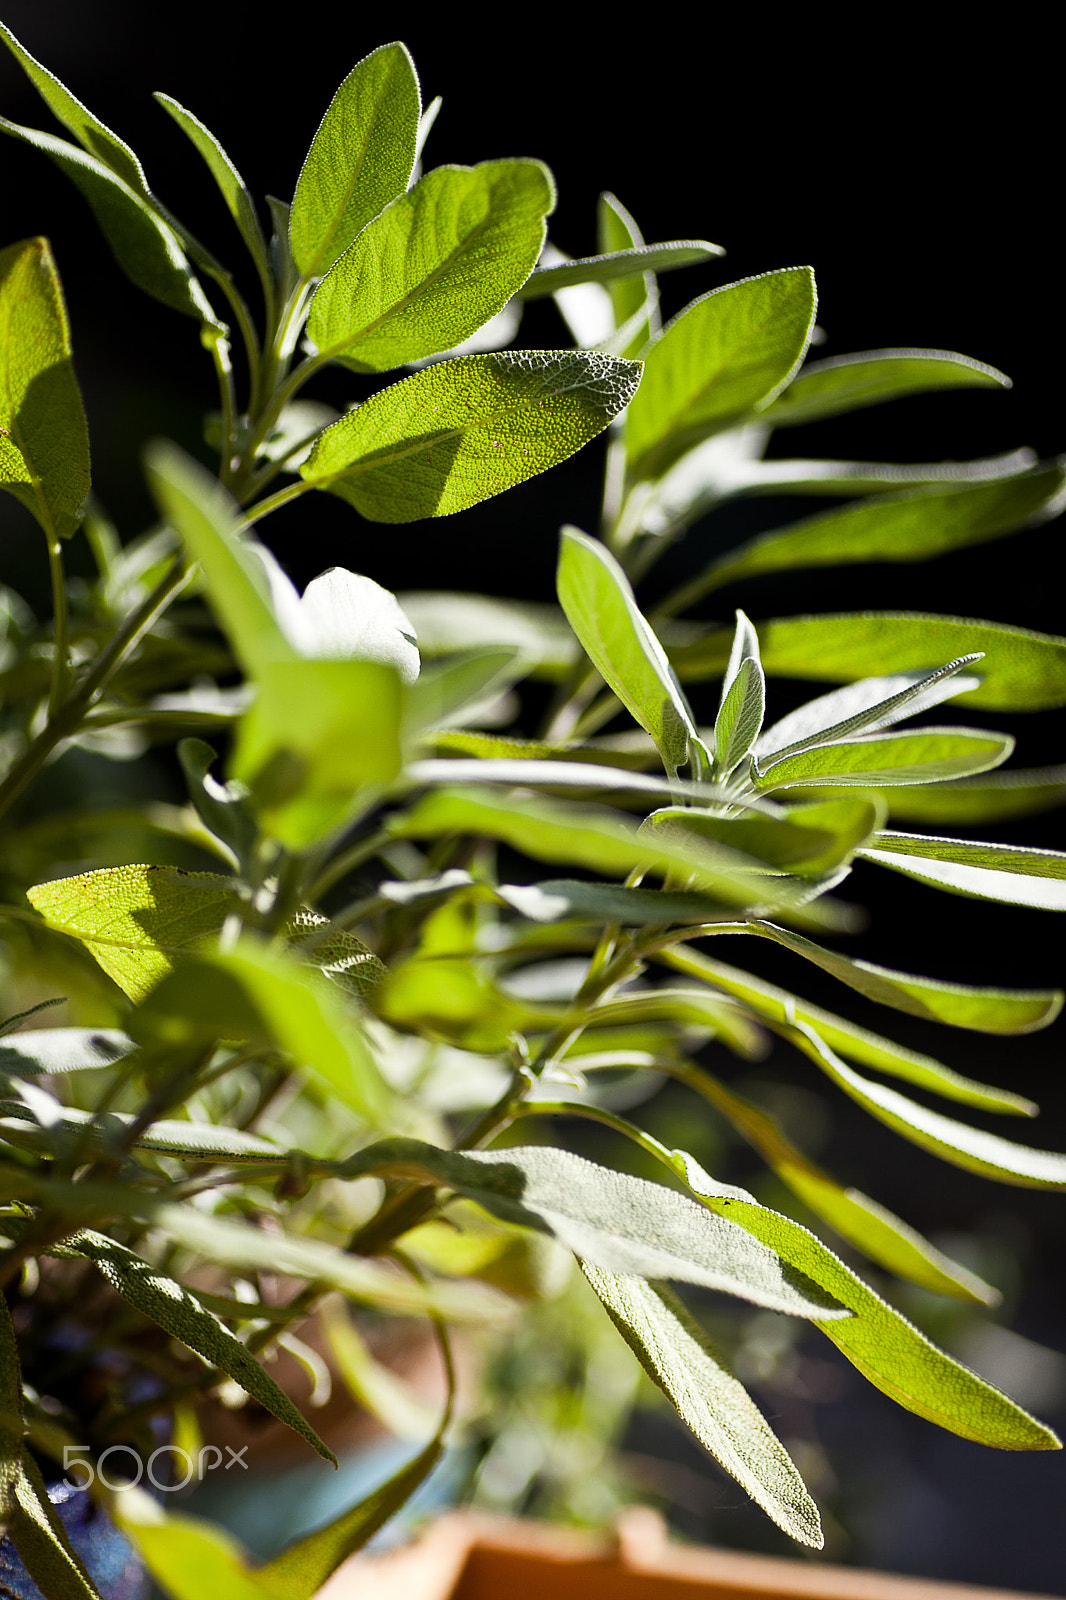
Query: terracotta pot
[465, 1556]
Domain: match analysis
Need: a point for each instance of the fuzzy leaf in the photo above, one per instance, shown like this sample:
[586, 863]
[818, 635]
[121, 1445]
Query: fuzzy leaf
[743, 701]
[42, 1051]
[846, 383]
[871, 761]
[44, 442]
[633, 299]
[613, 265]
[600, 606]
[1009, 873]
[231, 185]
[728, 353]
[1021, 670]
[677, 1355]
[361, 157]
[178, 1311]
[436, 264]
[989, 798]
[557, 898]
[461, 431]
[809, 840]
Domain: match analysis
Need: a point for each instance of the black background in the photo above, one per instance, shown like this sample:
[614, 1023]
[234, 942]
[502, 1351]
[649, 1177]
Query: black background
[916, 172]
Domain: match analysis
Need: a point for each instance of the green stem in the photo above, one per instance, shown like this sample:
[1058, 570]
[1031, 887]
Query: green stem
[219, 350]
[61, 624]
[347, 861]
[263, 508]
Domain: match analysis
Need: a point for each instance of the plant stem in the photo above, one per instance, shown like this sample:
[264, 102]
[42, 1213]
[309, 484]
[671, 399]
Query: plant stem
[61, 624]
[263, 508]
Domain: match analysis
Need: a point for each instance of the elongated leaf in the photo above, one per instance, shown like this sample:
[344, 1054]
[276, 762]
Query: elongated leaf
[461, 431]
[615, 1221]
[984, 1010]
[207, 518]
[251, 994]
[807, 476]
[743, 701]
[231, 185]
[600, 606]
[865, 707]
[615, 264]
[1021, 670]
[693, 1008]
[727, 354]
[189, 1557]
[914, 526]
[973, 1148]
[42, 1051]
[557, 898]
[677, 1356]
[452, 690]
[505, 747]
[44, 442]
[886, 1348]
[436, 264]
[447, 624]
[1005, 872]
[1018, 793]
[858, 1044]
[543, 773]
[598, 839]
[810, 840]
[631, 298]
[878, 1233]
[222, 807]
[874, 760]
[134, 920]
[345, 616]
[176, 1309]
[361, 157]
[195, 1141]
[846, 383]
[145, 246]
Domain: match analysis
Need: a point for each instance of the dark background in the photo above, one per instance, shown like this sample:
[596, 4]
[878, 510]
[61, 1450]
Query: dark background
[916, 172]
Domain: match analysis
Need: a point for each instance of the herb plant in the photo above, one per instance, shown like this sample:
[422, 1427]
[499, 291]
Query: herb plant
[303, 1061]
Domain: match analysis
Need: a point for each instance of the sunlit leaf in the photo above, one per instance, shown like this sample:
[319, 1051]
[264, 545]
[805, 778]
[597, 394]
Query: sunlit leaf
[988, 798]
[846, 383]
[231, 185]
[743, 701]
[870, 761]
[1009, 873]
[810, 839]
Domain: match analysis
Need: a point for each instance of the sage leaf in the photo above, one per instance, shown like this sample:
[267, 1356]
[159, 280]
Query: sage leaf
[44, 441]
[1008, 873]
[882, 1344]
[809, 840]
[461, 431]
[615, 264]
[846, 383]
[222, 807]
[678, 1357]
[858, 1044]
[143, 243]
[743, 702]
[450, 691]
[807, 476]
[231, 185]
[988, 798]
[189, 1557]
[963, 1146]
[361, 157]
[1021, 670]
[447, 624]
[555, 899]
[914, 526]
[434, 266]
[870, 761]
[961, 1005]
[43, 1051]
[727, 354]
[178, 1312]
[600, 606]
[633, 299]
[878, 1233]
[865, 707]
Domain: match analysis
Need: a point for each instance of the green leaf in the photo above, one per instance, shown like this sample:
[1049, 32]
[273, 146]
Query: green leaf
[692, 1008]
[450, 689]
[543, 773]
[361, 157]
[871, 761]
[145, 246]
[338, 954]
[231, 185]
[222, 807]
[882, 1344]
[251, 994]
[743, 702]
[727, 354]
[858, 1044]
[189, 1141]
[44, 442]
[178, 1312]
[209, 523]
[866, 477]
[1008, 873]
[961, 1005]
[319, 742]
[557, 898]
[601, 840]
[447, 624]
[809, 840]
[878, 1233]
[189, 1557]
[615, 1221]
[92, 134]
[631, 298]
[972, 1148]
[461, 431]
[619, 264]
[914, 526]
[436, 264]
[1022, 670]
[865, 707]
[676, 1354]
[42, 1051]
[135, 919]
[600, 606]
[846, 383]
[449, 998]
[396, 1404]
[1018, 793]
